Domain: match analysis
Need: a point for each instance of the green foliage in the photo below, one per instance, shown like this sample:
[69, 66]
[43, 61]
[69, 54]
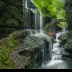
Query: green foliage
[61, 14]
[8, 48]
[59, 25]
[43, 31]
[51, 8]
[63, 25]
[46, 27]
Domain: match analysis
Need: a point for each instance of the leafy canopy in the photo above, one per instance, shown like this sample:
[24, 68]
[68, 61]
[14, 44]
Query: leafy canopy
[51, 8]
[63, 25]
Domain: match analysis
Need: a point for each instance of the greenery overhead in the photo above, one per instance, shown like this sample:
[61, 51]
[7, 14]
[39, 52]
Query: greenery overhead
[63, 25]
[51, 8]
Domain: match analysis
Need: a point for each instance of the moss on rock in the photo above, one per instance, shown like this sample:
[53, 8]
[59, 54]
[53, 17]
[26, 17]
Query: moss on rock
[7, 47]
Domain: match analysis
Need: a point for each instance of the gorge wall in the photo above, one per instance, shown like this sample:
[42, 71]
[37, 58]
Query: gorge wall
[67, 40]
[11, 16]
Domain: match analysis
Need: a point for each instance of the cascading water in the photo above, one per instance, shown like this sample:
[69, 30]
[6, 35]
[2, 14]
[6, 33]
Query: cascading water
[41, 23]
[50, 48]
[56, 60]
[34, 32]
[24, 11]
[35, 21]
[43, 54]
[29, 20]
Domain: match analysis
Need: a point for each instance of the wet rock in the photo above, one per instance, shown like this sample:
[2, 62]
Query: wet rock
[63, 36]
[19, 34]
[33, 42]
[24, 55]
[40, 68]
[14, 55]
[68, 45]
[31, 5]
[63, 39]
[29, 51]
[68, 9]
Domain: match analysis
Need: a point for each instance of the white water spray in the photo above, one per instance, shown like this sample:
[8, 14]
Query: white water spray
[41, 23]
[56, 61]
[35, 21]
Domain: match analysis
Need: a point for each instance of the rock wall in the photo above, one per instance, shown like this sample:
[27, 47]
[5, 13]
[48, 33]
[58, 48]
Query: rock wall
[11, 16]
[67, 42]
[20, 51]
[68, 8]
[7, 52]
[15, 16]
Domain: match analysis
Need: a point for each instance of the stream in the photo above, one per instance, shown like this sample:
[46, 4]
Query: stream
[56, 61]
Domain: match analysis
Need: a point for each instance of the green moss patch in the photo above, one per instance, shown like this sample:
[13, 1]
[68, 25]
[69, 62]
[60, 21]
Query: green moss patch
[8, 47]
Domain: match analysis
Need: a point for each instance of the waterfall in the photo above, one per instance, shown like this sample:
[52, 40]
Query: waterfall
[56, 56]
[29, 20]
[54, 48]
[56, 53]
[50, 49]
[24, 11]
[43, 54]
[35, 22]
[26, 5]
[25, 14]
[41, 23]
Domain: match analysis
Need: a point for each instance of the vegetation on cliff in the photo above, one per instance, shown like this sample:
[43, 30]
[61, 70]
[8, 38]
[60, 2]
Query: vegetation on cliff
[8, 46]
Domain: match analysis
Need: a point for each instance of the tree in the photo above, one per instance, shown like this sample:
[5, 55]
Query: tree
[51, 8]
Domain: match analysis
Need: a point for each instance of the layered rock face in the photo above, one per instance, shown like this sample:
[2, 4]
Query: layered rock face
[67, 41]
[14, 16]
[19, 51]
[68, 8]
[11, 16]
[8, 56]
